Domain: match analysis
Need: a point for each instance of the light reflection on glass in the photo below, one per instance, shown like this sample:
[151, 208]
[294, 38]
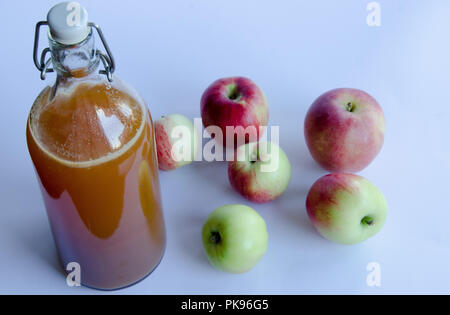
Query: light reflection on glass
[112, 128]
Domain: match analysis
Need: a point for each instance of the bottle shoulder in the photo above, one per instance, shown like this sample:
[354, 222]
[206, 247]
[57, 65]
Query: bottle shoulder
[87, 119]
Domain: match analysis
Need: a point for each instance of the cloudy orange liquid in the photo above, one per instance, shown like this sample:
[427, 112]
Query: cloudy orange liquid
[94, 154]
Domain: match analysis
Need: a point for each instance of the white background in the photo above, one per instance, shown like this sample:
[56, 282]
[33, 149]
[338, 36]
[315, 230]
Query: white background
[294, 50]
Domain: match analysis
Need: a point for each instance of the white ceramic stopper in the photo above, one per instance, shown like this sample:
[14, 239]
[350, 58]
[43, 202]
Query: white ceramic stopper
[68, 23]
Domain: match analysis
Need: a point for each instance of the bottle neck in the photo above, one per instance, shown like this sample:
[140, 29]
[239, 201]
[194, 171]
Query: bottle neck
[74, 60]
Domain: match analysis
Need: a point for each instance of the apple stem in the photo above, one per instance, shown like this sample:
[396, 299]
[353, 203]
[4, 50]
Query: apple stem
[350, 107]
[257, 156]
[215, 238]
[233, 92]
[367, 221]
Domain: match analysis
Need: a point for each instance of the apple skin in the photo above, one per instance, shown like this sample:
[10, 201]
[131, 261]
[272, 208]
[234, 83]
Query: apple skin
[346, 208]
[343, 138]
[248, 176]
[234, 238]
[168, 159]
[235, 101]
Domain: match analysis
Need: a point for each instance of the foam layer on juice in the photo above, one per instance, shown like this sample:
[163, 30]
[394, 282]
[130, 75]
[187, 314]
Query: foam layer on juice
[86, 125]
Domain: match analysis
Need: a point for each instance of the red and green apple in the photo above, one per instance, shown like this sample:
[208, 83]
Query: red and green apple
[260, 171]
[176, 141]
[346, 208]
[344, 130]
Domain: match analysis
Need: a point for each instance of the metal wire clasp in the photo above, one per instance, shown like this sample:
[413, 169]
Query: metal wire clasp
[107, 59]
[43, 64]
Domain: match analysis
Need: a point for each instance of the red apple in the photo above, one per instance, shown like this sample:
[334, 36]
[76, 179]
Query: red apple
[238, 103]
[344, 130]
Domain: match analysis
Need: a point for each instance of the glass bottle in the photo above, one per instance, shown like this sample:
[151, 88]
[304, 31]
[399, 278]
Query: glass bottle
[91, 140]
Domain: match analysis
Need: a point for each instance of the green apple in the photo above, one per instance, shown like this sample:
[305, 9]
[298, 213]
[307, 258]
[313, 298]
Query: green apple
[234, 238]
[346, 208]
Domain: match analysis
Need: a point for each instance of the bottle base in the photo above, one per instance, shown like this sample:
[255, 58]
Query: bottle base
[128, 285]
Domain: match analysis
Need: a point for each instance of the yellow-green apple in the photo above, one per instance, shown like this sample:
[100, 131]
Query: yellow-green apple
[346, 208]
[260, 171]
[237, 103]
[344, 130]
[176, 141]
[235, 238]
